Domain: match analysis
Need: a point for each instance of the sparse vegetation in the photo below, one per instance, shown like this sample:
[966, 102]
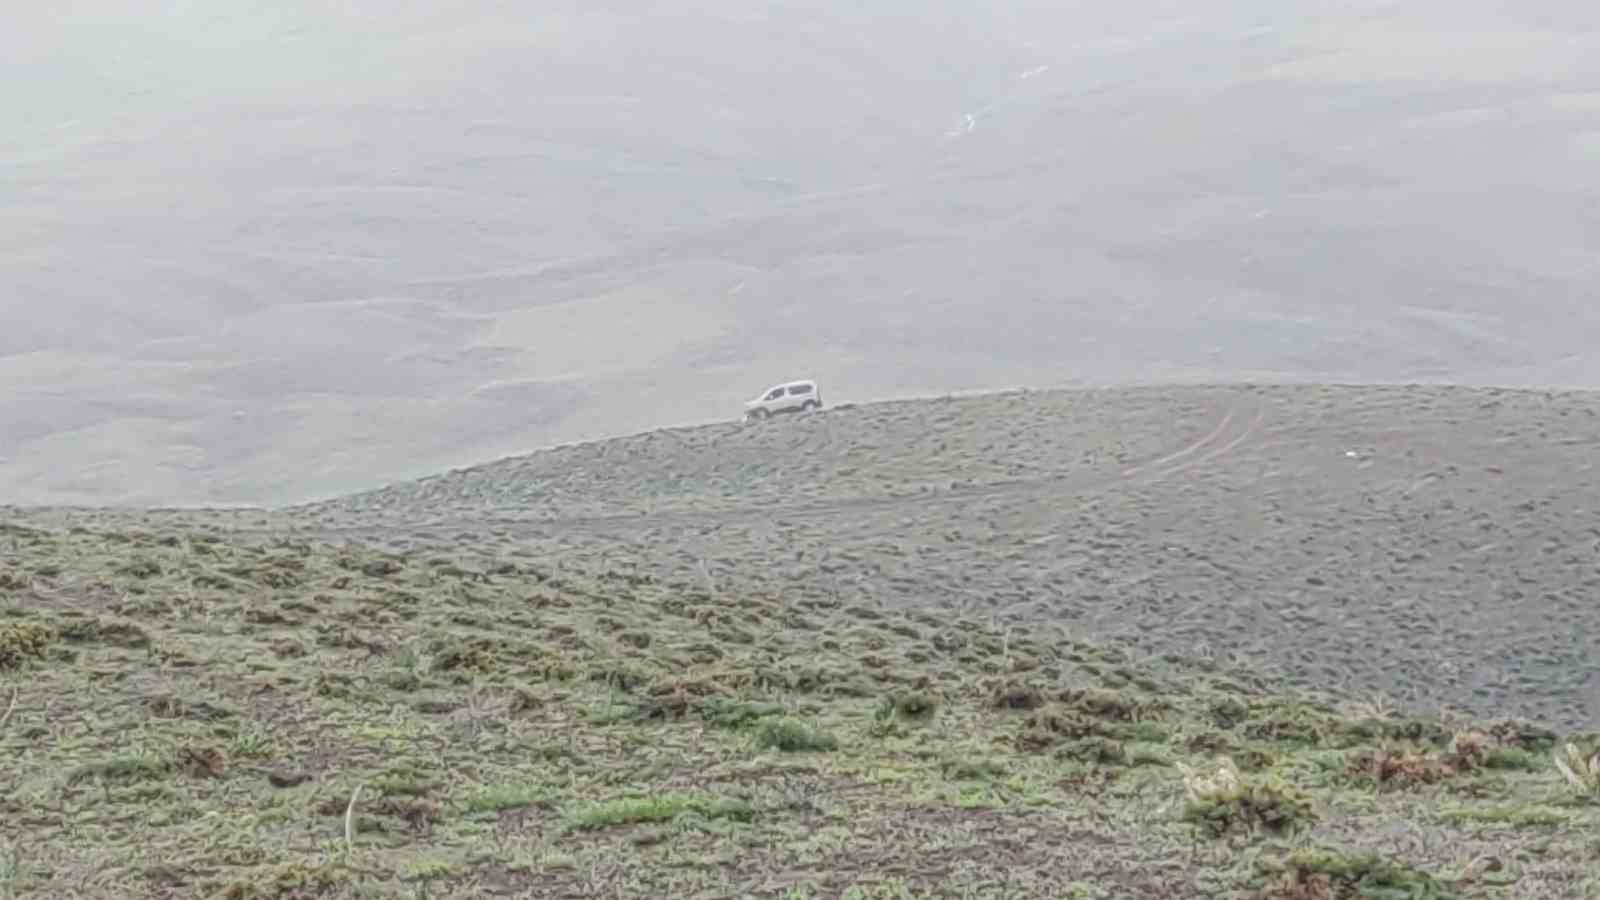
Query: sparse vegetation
[1322, 873]
[595, 734]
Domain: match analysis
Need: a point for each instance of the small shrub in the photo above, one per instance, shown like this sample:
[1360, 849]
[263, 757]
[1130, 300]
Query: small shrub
[251, 744]
[1115, 706]
[170, 706]
[1255, 757]
[23, 641]
[1097, 751]
[115, 634]
[403, 680]
[1046, 727]
[122, 769]
[1227, 712]
[1148, 732]
[1409, 765]
[1206, 741]
[638, 640]
[620, 675]
[911, 706]
[1016, 695]
[1146, 754]
[418, 813]
[461, 656]
[1325, 874]
[428, 870]
[794, 736]
[1386, 726]
[202, 762]
[292, 881]
[406, 781]
[1223, 799]
[964, 769]
[334, 685]
[524, 700]
[1514, 758]
[1290, 722]
[140, 568]
[381, 568]
[735, 714]
[1524, 735]
[1402, 767]
[1468, 750]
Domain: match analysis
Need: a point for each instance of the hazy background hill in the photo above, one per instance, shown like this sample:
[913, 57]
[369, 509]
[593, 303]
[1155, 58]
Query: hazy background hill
[267, 252]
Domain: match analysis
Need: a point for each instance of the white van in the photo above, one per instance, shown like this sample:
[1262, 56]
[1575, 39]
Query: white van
[793, 396]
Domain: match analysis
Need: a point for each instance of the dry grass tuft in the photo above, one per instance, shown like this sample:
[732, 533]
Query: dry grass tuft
[22, 641]
[16, 694]
[208, 762]
[1580, 769]
[1402, 767]
[1016, 695]
[290, 881]
[1408, 766]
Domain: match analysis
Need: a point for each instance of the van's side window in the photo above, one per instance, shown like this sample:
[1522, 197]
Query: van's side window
[776, 393]
[800, 389]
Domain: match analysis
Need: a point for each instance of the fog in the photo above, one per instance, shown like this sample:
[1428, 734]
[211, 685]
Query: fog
[261, 253]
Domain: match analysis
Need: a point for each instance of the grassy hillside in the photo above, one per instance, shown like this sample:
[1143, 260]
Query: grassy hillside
[186, 712]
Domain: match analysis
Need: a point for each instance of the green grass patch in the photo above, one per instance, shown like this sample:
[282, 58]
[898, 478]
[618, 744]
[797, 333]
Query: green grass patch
[658, 808]
[1514, 815]
[500, 797]
[429, 869]
[736, 714]
[1514, 759]
[794, 736]
[1321, 872]
[126, 769]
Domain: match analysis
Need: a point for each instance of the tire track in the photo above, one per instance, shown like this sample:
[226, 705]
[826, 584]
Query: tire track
[1197, 445]
[1240, 423]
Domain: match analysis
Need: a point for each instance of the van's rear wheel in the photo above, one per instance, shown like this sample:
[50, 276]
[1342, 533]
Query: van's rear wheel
[808, 406]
